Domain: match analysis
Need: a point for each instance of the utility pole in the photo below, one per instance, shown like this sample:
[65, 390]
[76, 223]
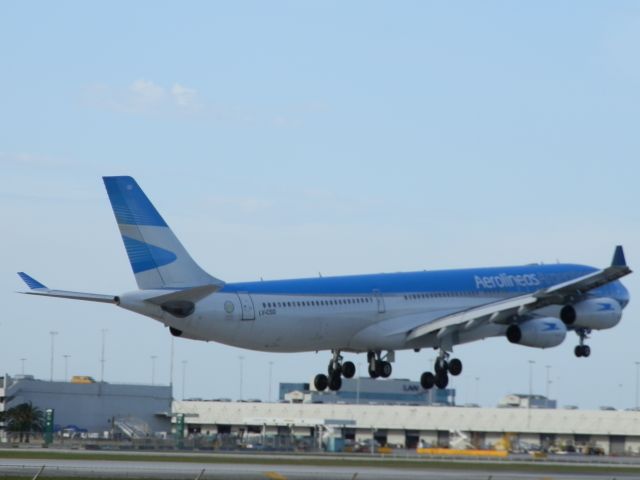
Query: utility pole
[53, 334]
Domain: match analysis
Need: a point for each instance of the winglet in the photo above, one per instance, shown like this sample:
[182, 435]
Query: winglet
[618, 258]
[31, 282]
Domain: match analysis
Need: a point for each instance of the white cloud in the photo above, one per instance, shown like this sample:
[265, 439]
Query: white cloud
[147, 92]
[146, 97]
[143, 96]
[184, 97]
[31, 160]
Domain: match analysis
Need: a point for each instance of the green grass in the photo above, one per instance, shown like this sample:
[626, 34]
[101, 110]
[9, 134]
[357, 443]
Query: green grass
[417, 463]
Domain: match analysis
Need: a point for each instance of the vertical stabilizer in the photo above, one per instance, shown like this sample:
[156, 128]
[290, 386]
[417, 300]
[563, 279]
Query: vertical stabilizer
[157, 257]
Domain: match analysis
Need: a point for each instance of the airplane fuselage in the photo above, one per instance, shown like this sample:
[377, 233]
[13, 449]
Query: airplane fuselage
[358, 313]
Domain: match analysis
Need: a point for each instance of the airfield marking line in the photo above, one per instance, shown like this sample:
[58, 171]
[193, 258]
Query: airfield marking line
[275, 476]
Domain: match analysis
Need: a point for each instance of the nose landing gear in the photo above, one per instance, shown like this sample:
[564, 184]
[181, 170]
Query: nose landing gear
[582, 350]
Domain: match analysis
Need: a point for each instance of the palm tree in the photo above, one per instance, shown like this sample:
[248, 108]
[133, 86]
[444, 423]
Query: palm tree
[24, 419]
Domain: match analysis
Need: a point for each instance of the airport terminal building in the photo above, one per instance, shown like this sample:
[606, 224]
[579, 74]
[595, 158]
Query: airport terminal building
[409, 426]
[383, 412]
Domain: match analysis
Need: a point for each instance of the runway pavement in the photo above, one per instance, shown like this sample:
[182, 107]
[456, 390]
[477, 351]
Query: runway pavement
[117, 469]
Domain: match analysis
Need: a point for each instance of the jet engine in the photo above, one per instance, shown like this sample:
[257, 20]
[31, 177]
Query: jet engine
[595, 313]
[541, 332]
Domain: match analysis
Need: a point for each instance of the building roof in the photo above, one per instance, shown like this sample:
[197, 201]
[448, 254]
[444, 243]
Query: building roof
[587, 422]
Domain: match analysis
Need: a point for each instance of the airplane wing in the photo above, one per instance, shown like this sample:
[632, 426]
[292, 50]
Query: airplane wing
[506, 310]
[37, 288]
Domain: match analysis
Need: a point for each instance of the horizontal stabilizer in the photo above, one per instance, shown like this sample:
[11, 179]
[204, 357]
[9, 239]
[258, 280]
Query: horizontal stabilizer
[31, 282]
[189, 295]
[37, 288]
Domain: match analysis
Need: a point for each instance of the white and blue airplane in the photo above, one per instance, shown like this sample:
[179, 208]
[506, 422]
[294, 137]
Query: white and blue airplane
[533, 305]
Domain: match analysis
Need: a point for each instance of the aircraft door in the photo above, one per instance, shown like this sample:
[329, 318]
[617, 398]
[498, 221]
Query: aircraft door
[379, 301]
[248, 312]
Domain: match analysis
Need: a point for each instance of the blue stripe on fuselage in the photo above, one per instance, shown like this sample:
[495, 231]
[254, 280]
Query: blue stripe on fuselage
[501, 280]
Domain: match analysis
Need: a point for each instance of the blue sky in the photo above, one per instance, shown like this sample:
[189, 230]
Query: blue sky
[283, 139]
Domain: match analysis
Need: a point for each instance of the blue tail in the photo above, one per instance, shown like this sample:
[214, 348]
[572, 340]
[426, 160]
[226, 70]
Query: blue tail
[157, 257]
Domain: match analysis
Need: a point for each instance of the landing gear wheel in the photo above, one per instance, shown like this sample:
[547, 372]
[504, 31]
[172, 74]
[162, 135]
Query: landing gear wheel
[442, 380]
[427, 380]
[335, 382]
[582, 351]
[348, 369]
[373, 373]
[383, 369]
[320, 382]
[331, 370]
[455, 367]
[440, 366]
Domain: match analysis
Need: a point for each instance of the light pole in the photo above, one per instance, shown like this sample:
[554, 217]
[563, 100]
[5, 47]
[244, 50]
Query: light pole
[270, 372]
[241, 358]
[102, 359]
[53, 334]
[358, 385]
[637, 377]
[531, 364]
[548, 386]
[66, 363]
[184, 376]
[153, 369]
[22, 360]
[171, 354]
[477, 394]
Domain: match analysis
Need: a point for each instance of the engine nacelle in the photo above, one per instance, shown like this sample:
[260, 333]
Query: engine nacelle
[595, 313]
[543, 332]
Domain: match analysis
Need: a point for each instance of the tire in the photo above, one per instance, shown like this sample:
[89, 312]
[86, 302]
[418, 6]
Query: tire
[335, 382]
[442, 380]
[348, 369]
[427, 380]
[385, 369]
[373, 373]
[320, 382]
[330, 369]
[578, 351]
[440, 366]
[586, 350]
[455, 367]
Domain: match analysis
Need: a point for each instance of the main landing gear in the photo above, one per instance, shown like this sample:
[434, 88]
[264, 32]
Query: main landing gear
[442, 369]
[336, 370]
[582, 350]
[377, 366]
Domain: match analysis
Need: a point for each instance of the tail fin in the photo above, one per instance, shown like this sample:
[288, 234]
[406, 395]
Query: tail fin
[157, 257]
